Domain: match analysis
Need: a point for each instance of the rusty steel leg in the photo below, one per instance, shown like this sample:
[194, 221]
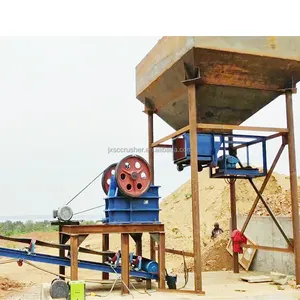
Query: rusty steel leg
[62, 269]
[233, 221]
[263, 186]
[161, 261]
[293, 181]
[151, 163]
[138, 244]
[150, 141]
[74, 257]
[105, 247]
[195, 186]
[270, 213]
[125, 262]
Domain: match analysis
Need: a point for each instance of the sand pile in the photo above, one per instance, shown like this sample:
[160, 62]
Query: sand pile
[176, 214]
[7, 284]
[215, 257]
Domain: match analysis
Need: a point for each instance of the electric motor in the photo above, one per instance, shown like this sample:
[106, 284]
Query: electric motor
[63, 214]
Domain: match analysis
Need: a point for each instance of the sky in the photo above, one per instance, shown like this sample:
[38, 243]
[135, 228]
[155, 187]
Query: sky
[64, 102]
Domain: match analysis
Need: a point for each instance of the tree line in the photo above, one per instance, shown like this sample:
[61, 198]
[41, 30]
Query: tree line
[9, 228]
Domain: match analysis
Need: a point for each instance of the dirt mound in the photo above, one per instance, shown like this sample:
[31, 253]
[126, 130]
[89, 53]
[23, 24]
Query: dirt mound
[7, 284]
[215, 257]
[176, 214]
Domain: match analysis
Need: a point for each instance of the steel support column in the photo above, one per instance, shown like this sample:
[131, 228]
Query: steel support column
[74, 257]
[195, 186]
[151, 163]
[62, 269]
[233, 221]
[138, 245]
[105, 247]
[293, 181]
[125, 262]
[232, 181]
[161, 261]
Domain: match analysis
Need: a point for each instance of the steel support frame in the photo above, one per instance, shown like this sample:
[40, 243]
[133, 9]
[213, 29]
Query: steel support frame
[295, 246]
[293, 180]
[287, 135]
[125, 230]
[232, 181]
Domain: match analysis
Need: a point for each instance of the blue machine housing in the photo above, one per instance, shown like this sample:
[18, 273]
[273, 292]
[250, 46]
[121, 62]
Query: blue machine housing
[120, 209]
[214, 152]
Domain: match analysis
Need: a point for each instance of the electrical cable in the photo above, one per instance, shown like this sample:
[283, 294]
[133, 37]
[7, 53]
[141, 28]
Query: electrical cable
[80, 212]
[59, 275]
[110, 291]
[85, 188]
[86, 280]
[7, 261]
[122, 281]
[186, 272]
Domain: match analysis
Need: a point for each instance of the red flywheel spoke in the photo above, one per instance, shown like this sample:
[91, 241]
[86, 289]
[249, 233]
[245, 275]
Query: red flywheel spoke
[133, 175]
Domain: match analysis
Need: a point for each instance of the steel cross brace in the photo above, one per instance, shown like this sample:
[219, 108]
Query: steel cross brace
[271, 213]
[264, 184]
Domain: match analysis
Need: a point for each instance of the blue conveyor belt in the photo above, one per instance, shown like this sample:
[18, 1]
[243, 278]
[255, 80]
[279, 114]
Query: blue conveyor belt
[55, 260]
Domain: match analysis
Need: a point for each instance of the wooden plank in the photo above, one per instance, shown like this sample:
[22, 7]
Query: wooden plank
[112, 228]
[256, 279]
[161, 261]
[246, 258]
[170, 136]
[267, 248]
[74, 257]
[178, 252]
[125, 262]
[242, 128]
[195, 187]
[105, 247]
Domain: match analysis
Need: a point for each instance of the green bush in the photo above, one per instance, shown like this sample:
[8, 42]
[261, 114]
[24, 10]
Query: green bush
[9, 228]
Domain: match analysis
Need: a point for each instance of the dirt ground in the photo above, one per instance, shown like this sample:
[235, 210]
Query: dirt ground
[176, 215]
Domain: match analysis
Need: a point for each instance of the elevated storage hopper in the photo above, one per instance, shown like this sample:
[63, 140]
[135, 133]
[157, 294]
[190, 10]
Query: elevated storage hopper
[239, 76]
